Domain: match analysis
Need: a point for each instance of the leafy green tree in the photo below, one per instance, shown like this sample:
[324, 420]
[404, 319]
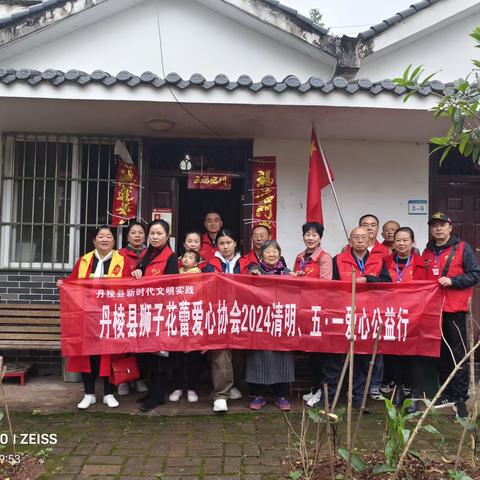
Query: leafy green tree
[459, 102]
[316, 16]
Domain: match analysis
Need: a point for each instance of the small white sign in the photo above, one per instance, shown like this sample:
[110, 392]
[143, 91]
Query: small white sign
[417, 207]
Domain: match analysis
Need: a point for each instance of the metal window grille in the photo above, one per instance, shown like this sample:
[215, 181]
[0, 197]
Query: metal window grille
[55, 191]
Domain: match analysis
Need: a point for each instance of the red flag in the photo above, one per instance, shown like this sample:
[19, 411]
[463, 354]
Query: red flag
[317, 179]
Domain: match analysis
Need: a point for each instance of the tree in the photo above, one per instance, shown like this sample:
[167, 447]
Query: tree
[459, 101]
[316, 16]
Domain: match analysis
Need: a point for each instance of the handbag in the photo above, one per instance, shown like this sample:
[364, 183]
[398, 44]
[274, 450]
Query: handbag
[124, 370]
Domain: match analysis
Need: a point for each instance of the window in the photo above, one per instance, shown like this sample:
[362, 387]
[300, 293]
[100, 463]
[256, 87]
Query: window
[55, 191]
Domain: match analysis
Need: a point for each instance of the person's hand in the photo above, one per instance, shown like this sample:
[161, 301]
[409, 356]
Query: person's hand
[445, 281]
[59, 282]
[361, 280]
[299, 274]
[293, 274]
[254, 272]
[137, 273]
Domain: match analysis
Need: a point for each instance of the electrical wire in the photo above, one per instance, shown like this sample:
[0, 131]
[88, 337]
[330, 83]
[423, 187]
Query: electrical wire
[180, 104]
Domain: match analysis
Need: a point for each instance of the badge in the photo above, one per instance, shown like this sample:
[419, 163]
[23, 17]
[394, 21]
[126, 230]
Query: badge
[435, 271]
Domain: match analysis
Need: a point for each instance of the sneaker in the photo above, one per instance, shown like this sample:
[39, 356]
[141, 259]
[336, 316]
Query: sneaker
[220, 405]
[192, 396]
[460, 408]
[443, 402]
[176, 395]
[140, 386]
[309, 395]
[235, 393]
[315, 399]
[87, 401]
[123, 389]
[110, 401]
[257, 403]
[375, 394]
[388, 388]
[283, 404]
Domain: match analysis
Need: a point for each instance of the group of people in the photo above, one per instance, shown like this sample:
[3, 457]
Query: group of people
[446, 259]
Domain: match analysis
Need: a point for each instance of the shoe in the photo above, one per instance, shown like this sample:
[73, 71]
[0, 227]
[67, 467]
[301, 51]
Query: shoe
[317, 397]
[443, 402]
[192, 396]
[143, 399]
[140, 386]
[375, 394]
[123, 389]
[150, 404]
[460, 408]
[357, 405]
[309, 395]
[399, 396]
[257, 403]
[413, 408]
[176, 395]
[220, 405]
[110, 401]
[88, 400]
[283, 404]
[235, 393]
[388, 388]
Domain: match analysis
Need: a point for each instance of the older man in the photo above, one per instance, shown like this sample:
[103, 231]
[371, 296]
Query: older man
[388, 233]
[355, 260]
[213, 223]
[452, 263]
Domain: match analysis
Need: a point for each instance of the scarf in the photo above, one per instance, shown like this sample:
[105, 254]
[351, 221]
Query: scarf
[99, 270]
[277, 269]
[137, 251]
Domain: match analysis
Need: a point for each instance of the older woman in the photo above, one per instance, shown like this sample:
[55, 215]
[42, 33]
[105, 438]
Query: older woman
[158, 259]
[270, 369]
[104, 261]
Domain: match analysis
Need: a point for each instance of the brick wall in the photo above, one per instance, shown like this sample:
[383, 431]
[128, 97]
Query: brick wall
[29, 287]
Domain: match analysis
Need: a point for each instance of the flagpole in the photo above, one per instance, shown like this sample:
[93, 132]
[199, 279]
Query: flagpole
[331, 182]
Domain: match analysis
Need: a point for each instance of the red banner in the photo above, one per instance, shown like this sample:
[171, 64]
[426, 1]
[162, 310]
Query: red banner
[125, 194]
[209, 181]
[217, 311]
[264, 208]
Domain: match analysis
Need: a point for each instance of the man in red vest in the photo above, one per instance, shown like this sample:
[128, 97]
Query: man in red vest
[213, 224]
[260, 234]
[452, 263]
[370, 223]
[388, 233]
[355, 260]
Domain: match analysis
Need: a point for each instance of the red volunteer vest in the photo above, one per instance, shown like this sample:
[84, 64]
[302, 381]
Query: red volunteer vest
[414, 271]
[312, 266]
[157, 265]
[345, 262]
[131, 259]
[455, 300]
[249, 259]
[207, 251]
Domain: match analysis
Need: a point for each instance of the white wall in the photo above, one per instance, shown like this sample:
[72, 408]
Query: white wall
[448, 51]
[370, 177]
[194, 38]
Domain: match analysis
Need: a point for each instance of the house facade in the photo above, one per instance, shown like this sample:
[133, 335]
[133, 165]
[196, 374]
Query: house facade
[224, 82]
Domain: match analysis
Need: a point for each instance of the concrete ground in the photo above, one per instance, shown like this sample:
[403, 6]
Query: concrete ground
[175, 441]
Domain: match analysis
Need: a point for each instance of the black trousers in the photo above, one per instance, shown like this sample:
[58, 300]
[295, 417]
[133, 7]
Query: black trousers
[405, 370]
[454, 328]
[89, 378]
[279, 389]
[187, 370]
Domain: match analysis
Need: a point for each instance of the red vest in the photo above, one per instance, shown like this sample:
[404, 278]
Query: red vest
[157, 265]
[414, 271]
[131, 259]
[379, 249]
[207, 251]
[312, 266]
[249, 259]
[455, 300]
[345, 262]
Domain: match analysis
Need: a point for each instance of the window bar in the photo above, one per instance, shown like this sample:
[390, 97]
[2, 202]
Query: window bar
[34, 192]
[21, 196]
[87, 185]
[98, 181]
[75, 200]
[67, 153]
[55, 206]
[42, 243]
[109, 178]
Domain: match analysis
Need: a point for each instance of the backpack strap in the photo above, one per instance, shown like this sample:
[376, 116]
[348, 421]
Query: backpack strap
[449, 259]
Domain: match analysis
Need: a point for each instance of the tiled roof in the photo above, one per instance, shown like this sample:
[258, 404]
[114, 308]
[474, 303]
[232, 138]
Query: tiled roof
[398, 17]
[57, 78]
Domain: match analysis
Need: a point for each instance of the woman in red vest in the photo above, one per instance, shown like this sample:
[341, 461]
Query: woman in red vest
[158, 259]
[405, 265]
[104, 261]
[132, 253]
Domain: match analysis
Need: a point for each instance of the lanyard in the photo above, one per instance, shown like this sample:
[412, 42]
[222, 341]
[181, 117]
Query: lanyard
[361, 264]
[400, 274]
[227, 266]
[304, 263]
